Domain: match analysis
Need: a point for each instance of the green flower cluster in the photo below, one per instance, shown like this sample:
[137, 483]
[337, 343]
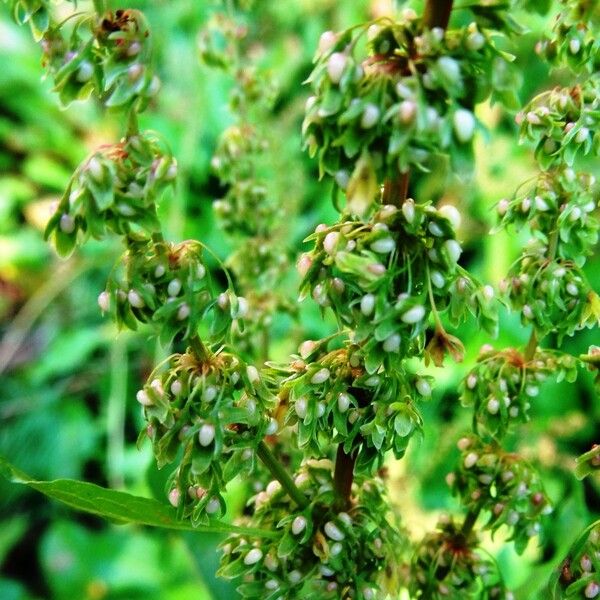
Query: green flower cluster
[107, 55]
[320, 552]
[115, 189]
[503, 384]
[205, 414]
[503, 484]
[333, 399]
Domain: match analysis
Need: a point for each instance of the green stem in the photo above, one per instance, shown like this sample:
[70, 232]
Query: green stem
[277, 470]
[437, 13]
[115, 413]
[531, 346]
[343, 477]
[470, 521]
[100, 6]
[199, 348]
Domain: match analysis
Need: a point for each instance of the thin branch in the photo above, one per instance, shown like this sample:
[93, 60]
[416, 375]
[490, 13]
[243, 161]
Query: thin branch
[437, 13]
[343, 477]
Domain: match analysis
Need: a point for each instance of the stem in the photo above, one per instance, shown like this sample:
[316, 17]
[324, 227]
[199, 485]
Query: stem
[395, 191]
[470, 521]
[531, 346]
[277, 470]
[437, 13]
[343, 477]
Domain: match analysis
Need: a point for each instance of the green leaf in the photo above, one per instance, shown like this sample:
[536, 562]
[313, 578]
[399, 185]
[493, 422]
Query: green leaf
[117, 506]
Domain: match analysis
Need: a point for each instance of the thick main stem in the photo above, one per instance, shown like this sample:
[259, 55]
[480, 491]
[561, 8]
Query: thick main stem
[437, 13]
[343, 477]
[277, 470]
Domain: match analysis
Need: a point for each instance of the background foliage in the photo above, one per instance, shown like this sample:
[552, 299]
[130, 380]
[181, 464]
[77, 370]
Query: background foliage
[68, 381]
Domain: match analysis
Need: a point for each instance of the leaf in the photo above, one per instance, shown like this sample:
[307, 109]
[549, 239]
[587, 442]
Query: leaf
[117, 506]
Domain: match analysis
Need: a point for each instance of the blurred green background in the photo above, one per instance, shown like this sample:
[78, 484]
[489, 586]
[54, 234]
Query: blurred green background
[68, 378]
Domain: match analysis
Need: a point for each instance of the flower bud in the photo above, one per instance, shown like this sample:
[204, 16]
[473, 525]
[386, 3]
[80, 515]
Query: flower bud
[407, 111]
[298, 525]
[304, 264]
[336, 65]
[527, 312]
[592, 589]
[470, 460]
[450, 68]
[475, 41]
[174, 287]
[183, 312]
[453, 249]
[206, 435]
[321, 376]
[367, 304]
[331, 241]
[574, 46]
[333, 532]
[135, 299]
[392, 343]
[327, 41]
[307, 348]
[493, 406]
[143, 398]
[370, 116]
[408, 210]
[104, 301]
[174, 497]
[464, 125]
[95, 169]
[414, 314]
[423, 387]
[67, 223]
[451, 213]
[488, 292]
[343, 402]
[210, 393]
[272, 427]
[253, 556]
[383, 245]
[301, 407]
[176, 387]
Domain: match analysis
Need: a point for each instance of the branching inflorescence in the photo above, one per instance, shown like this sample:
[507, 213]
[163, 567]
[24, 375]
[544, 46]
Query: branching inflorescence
[390, 98]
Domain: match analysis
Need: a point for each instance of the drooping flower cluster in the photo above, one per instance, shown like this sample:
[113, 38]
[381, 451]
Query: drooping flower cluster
[116, 190]
[321, 552]
[205, 414]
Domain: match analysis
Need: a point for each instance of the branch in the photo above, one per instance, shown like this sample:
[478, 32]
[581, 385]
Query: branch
[343, 477]
[437, 13]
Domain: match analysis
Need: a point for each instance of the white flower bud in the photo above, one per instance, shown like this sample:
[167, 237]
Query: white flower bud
[572, 289]
[423, 387]
[383, 245]
[223, 301]
[95, 169]
[67, 223]
[450, 68]
[143, 398]
[592, 589]
[336, 549]
[307, 348]
[272, 427]
[156, 385]
[493, 406]
[475, 41]
[488, 292]
[585, 563]
[298, 525]
[135, 299]
[331, 241]
[435, 229]
[295, 576]
[463, 443]
[532, 118]
[174, 287]
[335, 66]
[310, 102]
[541, 204]
[272, 585]
[582, 135]
[206, 435]
[471, 381]
[451, 213]
[408, 210]
[104, 301]
[370, 116]
[575, 214]
[301, 407]
[437, 279]
[513, 412]
[176, 387]
[407, 111]
[367, 304]
[210, 393]
[574, 46]
[321, 376]
[342, 178]
[327, 41]
[304, 264]
[159, 271]
[174, 497]
[527, 312]
[333, 532]
[183, 312]
[134, 72]
[392, 343]
[253, 374]
[532, 390]
[343, 402]
[502, 207]
[373, 381]
[470, 460]
[453, 249]
[464, 125]
[414, 314]
[253, 556]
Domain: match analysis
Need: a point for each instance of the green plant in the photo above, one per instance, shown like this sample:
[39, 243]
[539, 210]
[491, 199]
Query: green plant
[392, 98]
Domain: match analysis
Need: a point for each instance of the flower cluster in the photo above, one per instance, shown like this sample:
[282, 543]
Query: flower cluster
[206, 414]
[503, 484]
[319, 552]
[408, 97]
[168, 286]
[384, 277]
[115, 189]
[553, 295]
[108, 55]
[503, 384]
[558, 198]
[332, 398]
[447, 565]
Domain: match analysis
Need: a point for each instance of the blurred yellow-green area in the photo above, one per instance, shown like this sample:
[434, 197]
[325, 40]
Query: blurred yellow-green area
[68, 378]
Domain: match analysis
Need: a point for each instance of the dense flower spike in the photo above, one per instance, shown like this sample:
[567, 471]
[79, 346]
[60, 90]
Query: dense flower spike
[215, 407]
[319, 552]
